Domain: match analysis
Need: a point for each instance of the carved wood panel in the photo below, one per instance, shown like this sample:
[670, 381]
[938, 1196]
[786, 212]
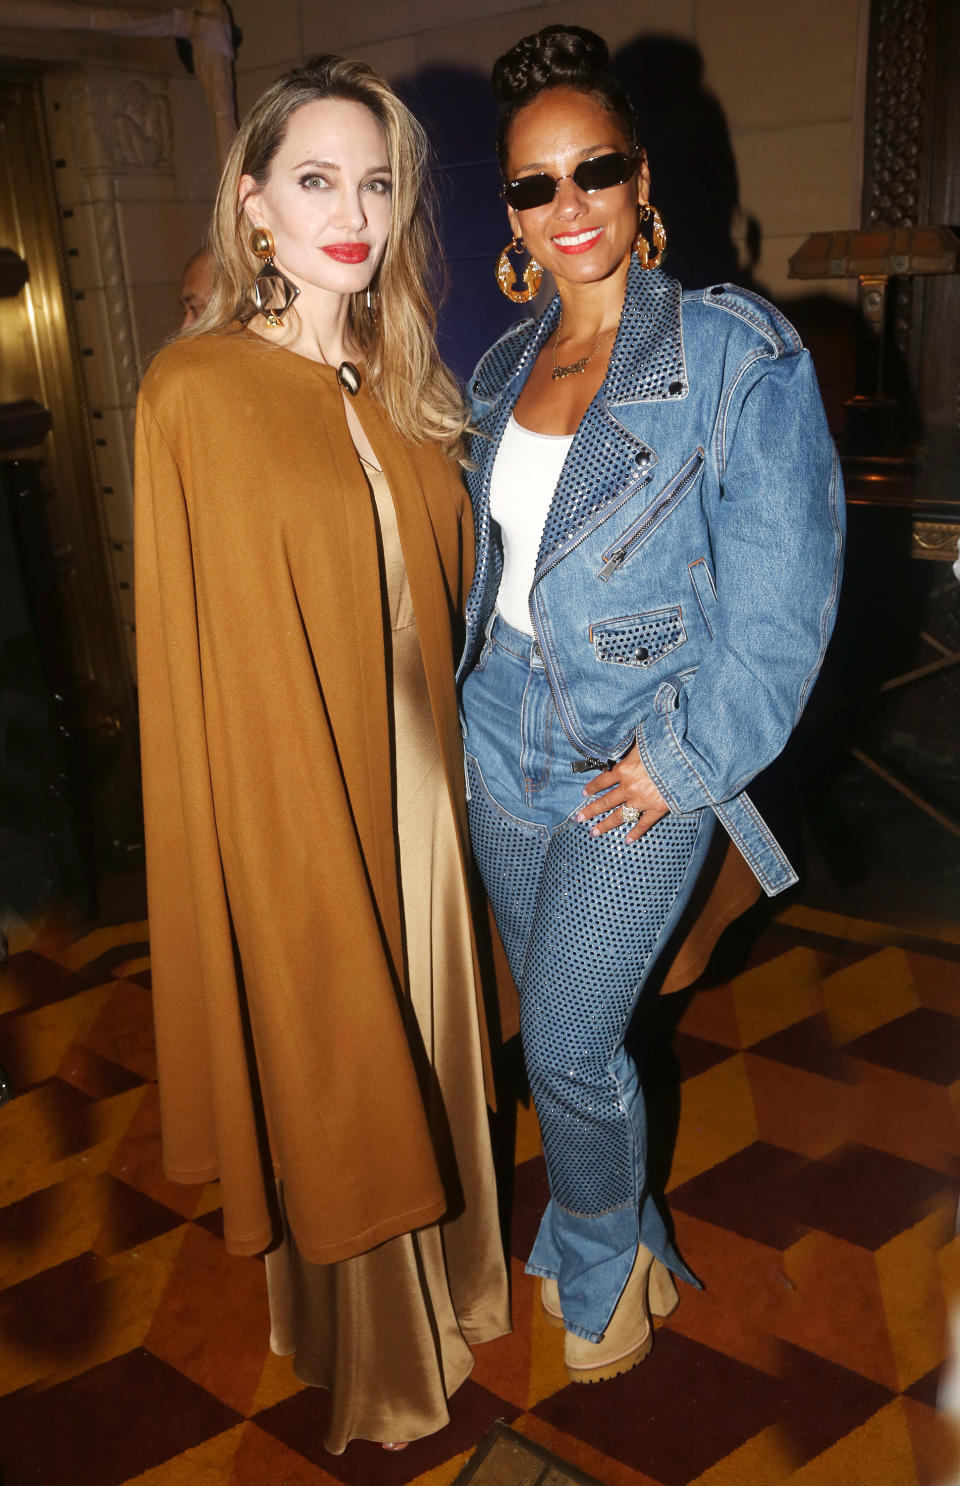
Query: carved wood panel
[912, 178]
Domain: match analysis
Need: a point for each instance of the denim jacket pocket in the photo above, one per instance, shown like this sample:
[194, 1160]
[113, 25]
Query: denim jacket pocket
[638, 639]
[660, 507]
[705, 590]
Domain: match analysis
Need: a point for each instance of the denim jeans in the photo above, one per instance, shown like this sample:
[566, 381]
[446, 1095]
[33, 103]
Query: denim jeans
[581, 919]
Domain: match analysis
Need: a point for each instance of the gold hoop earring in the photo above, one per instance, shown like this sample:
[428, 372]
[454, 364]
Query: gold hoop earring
[507, 273]
[659, 235]
[270, 284]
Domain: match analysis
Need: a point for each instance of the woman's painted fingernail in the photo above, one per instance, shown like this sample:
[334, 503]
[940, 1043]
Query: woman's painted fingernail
[581, 816]
[595, 831]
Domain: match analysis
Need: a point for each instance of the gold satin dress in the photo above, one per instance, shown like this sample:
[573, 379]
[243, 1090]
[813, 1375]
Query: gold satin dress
[389, 1332]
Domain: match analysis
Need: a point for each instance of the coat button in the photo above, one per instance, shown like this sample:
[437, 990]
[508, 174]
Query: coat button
[675, 389]
[641, 653]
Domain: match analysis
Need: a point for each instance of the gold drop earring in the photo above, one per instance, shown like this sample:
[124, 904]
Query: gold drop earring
[270, 284]
[506, 274]
[658, 233]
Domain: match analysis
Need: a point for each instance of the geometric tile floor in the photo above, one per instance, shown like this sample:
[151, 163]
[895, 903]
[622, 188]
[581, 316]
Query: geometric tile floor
[807, 1109]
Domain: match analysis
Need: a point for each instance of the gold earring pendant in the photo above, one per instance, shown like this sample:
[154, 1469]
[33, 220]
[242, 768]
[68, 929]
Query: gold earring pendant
[261, 243]
[270, 284]
[507, 274]
[658, 233]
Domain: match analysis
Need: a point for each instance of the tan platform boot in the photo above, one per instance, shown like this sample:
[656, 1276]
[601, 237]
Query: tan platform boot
[661, 1295]
[629, 1336]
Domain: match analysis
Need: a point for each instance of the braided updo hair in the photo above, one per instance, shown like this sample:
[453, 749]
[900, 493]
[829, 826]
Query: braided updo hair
[558, 57]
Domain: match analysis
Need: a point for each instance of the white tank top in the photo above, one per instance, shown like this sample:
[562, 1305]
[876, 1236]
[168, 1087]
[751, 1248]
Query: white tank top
[525, 475]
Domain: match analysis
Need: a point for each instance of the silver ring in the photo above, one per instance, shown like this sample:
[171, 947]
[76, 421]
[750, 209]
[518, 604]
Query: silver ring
[630, 814]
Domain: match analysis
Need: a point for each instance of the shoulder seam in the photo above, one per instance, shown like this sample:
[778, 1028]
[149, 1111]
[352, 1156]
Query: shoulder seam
[775, 328]
[742, 369]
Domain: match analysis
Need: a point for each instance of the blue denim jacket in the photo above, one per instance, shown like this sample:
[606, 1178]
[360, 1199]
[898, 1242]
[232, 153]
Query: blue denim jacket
[687, 577]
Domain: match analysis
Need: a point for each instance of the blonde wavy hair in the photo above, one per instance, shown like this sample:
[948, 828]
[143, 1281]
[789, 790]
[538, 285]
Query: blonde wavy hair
[396, 336]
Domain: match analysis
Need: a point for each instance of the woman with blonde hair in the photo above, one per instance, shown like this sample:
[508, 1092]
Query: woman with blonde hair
[302, 553]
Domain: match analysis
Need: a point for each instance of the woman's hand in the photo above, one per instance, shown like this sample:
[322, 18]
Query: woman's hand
[627, 783]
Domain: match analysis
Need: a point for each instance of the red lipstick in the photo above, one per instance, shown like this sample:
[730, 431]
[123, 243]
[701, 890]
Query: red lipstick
[592, 237]
[348, 252]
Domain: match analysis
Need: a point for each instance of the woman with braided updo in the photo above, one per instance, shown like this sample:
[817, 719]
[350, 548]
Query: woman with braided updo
[658, 520]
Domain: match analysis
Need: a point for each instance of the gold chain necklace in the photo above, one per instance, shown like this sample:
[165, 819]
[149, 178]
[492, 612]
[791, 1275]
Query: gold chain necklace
[574, 368]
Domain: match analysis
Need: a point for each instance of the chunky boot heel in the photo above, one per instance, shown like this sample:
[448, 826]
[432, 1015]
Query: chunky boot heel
[627, 1339]
[661, 1290]
[662, 1295]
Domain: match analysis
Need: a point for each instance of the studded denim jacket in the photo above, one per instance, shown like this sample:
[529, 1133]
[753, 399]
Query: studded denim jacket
[687, 578]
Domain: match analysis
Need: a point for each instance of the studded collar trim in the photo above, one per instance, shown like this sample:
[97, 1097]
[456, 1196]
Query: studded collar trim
[647, 361]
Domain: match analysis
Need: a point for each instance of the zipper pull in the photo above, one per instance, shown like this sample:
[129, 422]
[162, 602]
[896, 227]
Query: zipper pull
[614, 561]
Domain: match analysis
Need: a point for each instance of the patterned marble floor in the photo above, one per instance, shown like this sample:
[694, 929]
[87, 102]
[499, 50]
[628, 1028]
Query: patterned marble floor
[811, 1101]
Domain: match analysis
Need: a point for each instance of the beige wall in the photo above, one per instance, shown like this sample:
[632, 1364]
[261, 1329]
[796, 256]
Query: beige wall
[785, 76]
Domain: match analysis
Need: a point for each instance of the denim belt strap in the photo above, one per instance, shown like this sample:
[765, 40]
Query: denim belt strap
[756, 843]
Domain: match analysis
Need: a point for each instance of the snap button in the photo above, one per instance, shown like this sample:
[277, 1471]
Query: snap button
[536, 650]
[641, 653]
[717, 289]
[643, 459]
[476, 386]
[675, 388]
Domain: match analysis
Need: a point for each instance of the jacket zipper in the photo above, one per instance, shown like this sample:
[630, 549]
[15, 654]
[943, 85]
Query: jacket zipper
[558, 700]
[617, 556]
[566, 722]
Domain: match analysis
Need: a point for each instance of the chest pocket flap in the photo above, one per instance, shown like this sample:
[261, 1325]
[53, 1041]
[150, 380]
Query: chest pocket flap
[638, 639]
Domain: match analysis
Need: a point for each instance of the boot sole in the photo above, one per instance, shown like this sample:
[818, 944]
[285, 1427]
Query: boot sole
[613, 1369]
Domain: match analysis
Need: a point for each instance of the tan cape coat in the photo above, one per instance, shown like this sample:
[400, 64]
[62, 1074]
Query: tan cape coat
[275, 919]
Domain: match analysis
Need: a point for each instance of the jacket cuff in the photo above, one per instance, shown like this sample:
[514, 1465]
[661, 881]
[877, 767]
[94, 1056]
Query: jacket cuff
[658, 743]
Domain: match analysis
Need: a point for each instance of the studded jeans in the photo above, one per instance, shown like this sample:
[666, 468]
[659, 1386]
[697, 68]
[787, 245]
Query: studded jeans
[581, 918]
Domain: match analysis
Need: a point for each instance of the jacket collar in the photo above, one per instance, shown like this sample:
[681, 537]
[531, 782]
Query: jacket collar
[514, 354]
[646, 363]
[606, 458]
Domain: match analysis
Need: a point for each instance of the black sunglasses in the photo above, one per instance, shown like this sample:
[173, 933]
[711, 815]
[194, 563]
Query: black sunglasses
[597, 174]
